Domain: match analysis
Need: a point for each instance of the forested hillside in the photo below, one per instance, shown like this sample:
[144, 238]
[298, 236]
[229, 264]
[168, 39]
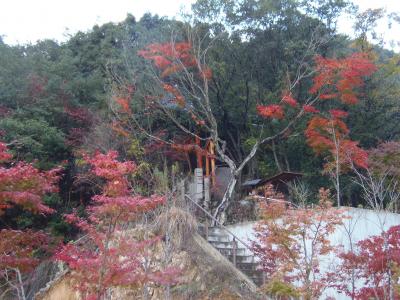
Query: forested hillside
[107, 123]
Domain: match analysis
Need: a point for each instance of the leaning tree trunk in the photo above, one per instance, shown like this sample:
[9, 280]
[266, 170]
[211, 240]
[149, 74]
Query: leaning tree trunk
[220, 211]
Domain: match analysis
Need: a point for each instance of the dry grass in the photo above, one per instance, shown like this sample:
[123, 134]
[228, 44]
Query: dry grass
[177, 224]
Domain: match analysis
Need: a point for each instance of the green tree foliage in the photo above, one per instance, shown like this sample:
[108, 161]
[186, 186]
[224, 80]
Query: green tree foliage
[55, 98]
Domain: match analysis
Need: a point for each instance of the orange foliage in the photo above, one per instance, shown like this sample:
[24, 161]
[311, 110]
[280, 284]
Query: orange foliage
[116, 126]
[279, 241]
[330, 135]
[310, 109]
[352, 152]
[328, 96]
[289, 100]
[178, 98]
[337, 78]
[167, 54]
[320, 130]
[161, 62]
[338, 114]
[187, 148]
[273, 111]
[124, 104]
[171, 58]
[207, 72]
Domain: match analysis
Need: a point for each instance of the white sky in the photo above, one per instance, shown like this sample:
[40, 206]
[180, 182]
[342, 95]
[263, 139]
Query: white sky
[23, 21]
[29, 20]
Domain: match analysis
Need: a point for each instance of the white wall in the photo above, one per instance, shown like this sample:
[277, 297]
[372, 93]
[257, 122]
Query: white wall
[363, 223]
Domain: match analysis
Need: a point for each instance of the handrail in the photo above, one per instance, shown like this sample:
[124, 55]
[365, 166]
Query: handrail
[230, 232]
[279, 201]
[219, 223]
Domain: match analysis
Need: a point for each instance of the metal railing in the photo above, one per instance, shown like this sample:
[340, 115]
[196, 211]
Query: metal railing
[217, 222]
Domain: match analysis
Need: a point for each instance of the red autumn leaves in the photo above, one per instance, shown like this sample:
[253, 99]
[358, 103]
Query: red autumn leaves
[335, 79]
[273, 111]
[276, 111]
[310, 109]
[22, 185]
[17, 248]
[338, 78]
[330, 136]
[373, 263]
[294, 245]
[109, 257]
[280, 243]
[289, 100]
[172, 58]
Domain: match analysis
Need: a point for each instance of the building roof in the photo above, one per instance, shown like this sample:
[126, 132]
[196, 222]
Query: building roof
[281, 177]
[251, 182]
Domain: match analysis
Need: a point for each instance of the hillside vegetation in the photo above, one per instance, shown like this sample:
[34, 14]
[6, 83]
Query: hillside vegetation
[98, 132]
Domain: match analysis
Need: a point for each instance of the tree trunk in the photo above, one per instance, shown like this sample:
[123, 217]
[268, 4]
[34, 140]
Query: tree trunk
[278, 165]
[219, 213]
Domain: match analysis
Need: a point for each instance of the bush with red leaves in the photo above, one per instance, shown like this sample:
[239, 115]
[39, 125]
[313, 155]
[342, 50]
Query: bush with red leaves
[107, 256]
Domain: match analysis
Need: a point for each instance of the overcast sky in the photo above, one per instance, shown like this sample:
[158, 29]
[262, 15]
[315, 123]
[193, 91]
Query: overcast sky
[23, 21]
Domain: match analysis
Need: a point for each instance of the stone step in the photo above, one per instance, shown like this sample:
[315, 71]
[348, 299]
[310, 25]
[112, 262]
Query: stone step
[246, 266]
[242, 258]
[256, 276]
[219, 238]
[227, 244]
[229, 251]
[217, 231]
[259, 281]
[212, 230]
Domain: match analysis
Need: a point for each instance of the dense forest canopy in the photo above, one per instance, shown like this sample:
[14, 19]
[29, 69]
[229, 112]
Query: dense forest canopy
[57, 99]
[119, 87]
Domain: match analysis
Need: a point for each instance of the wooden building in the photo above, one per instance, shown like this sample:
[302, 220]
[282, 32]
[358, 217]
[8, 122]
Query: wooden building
[279, 181]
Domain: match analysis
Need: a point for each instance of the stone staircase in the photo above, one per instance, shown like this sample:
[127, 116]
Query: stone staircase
[241, 257]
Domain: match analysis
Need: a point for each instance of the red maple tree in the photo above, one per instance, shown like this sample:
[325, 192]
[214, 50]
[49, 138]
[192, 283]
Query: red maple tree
[183, 78]
[22, 185]
[328, 134]
[335, 79]
[329, 137]
[273, 111]
[338, 78]
[373, 262]
[107, 256]
[171, 58]
[291, 241]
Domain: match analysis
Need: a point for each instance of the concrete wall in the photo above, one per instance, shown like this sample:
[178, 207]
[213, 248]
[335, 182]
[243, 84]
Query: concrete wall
[363, 222]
